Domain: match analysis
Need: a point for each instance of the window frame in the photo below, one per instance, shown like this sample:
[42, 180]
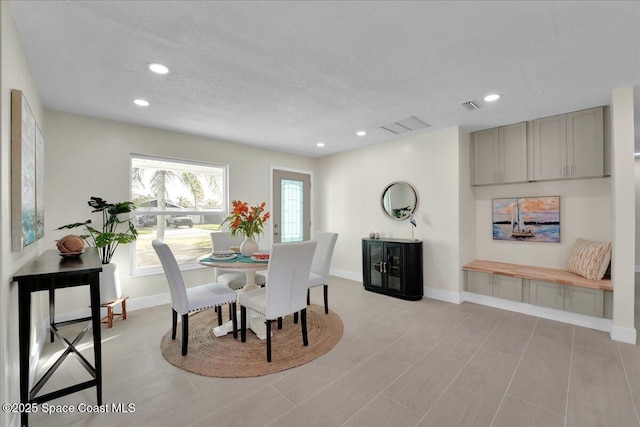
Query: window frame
[136, 271]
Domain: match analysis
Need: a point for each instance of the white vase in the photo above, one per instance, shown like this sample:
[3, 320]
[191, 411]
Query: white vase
[248, 246]
[110, 289]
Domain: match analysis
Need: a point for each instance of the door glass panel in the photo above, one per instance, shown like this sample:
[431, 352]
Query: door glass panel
[375, 254]
[292, 209]
[394, 269]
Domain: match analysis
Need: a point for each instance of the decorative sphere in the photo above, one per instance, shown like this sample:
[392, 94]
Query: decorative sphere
[70, 244]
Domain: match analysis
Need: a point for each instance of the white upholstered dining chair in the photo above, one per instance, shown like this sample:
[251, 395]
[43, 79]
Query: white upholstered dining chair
[285, 293]
[322, 263]
[188, 300]
[220, 241]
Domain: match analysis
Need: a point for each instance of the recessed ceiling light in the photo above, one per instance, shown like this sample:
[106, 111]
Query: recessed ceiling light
[492, 97]
[141, 102]
[320, 144]
[158, 68]
[361, 133]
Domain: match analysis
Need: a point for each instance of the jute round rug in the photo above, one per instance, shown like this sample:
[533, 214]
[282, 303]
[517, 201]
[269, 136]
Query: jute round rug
[226, 357]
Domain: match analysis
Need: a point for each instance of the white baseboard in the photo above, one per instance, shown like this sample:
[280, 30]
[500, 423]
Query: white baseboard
[597, 323]
[350, 275]
[35, 353]
[132, 305]
[620, 333]
[447, 296]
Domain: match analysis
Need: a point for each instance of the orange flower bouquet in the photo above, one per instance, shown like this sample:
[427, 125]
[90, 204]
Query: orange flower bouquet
[247, 221]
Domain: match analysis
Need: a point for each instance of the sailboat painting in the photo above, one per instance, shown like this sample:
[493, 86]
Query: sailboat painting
[531, 219]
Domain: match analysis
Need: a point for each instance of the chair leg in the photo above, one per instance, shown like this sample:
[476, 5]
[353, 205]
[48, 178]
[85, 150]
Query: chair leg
[308, 296]
[185, 333]
[174, 323]
[295, 317]
[219, 316]
[124, 309]
[230, 311]
[303, 322]
[326, 299]
[279, 322]
[234, 319]
[268, 323]
[243, 323]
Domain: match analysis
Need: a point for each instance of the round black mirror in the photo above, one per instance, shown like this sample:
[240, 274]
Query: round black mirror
[399, 200]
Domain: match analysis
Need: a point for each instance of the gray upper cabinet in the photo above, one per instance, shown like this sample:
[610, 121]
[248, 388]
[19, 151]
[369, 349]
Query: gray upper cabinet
[569, 145]
[500, 155]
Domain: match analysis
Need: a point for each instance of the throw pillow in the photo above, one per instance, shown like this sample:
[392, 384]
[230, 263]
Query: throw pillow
[589, 259]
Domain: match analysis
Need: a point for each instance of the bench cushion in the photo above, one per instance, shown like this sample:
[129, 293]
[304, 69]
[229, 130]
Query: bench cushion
[589, 259]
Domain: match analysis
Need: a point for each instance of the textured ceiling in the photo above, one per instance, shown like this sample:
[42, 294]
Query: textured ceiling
[286, 75]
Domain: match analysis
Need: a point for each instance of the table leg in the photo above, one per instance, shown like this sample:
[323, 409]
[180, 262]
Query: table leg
[52, 309]
[94, 286]
[255, 321]
[24, 301]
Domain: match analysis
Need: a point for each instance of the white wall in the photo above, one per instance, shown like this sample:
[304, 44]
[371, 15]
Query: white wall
[468, 223]
[623, 214]
[637, 234]
[584, 212]
[350, 186]
[14, 74]
[90, 157]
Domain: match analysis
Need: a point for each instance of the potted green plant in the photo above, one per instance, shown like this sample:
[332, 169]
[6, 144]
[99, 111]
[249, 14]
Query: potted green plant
[114, 231]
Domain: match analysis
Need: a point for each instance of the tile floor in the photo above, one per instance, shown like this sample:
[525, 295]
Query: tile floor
[399, 363]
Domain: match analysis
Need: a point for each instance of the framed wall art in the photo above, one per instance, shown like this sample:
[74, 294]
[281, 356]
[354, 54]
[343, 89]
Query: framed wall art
[531, 219]
[27, 175]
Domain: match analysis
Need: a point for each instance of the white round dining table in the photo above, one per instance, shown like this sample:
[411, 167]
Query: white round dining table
[255, 322]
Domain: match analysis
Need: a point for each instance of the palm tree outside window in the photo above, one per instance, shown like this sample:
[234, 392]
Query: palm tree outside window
[179, 202]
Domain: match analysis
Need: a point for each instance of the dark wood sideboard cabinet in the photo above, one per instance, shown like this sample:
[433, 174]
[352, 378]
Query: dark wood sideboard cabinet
[393, 267]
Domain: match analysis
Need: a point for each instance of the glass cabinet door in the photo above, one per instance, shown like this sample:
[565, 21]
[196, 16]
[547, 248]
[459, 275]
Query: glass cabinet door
[393, 266]
[375, 254]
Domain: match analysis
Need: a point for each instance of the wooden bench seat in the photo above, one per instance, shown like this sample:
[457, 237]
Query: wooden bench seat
[552, 275]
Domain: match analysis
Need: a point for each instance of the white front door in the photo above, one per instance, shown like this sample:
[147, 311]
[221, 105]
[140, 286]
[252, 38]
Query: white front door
[291, 206]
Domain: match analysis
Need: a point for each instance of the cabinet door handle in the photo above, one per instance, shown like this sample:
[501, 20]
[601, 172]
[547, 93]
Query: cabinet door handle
[571, 173]
[564, 171]
[560, 290]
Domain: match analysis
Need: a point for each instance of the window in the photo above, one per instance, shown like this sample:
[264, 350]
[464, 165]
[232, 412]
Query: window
[179, 202]
[292, 194]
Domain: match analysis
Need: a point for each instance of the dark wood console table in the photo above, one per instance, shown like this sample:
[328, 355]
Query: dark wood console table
[49, 272]
[393, 267]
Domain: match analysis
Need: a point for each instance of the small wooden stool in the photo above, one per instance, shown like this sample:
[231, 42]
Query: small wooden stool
[111, 314]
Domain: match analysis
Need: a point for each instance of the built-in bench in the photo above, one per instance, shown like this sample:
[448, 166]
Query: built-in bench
[547, 287]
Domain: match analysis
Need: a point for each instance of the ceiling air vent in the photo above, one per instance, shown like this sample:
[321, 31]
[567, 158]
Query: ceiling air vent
[470, 105]
[405, 125]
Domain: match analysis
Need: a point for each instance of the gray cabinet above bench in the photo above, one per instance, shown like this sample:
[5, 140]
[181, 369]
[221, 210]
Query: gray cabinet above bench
[566, 146]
